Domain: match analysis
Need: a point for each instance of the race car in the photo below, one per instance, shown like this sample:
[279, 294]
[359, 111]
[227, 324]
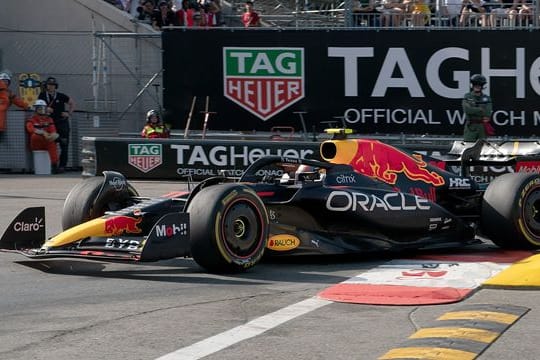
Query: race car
[485, 160]
[364, 196]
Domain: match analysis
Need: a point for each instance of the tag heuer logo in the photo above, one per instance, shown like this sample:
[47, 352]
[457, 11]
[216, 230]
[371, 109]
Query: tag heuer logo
[144, 157]
[263, 81]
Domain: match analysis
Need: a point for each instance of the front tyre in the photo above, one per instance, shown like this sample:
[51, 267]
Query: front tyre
[511, 211]
[229, 228]
[82, 203]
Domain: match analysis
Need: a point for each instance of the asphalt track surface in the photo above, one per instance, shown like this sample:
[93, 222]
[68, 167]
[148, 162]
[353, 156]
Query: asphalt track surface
[67, 309]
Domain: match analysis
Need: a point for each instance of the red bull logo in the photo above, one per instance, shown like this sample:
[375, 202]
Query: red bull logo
[384, 162]
[117, 225]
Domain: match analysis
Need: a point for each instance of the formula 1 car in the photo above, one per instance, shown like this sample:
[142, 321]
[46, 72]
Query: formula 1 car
[365, 196]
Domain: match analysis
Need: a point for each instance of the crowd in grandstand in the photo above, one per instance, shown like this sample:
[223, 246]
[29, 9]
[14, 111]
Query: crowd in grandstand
[378, 13]
[454, 13]
[161, 13]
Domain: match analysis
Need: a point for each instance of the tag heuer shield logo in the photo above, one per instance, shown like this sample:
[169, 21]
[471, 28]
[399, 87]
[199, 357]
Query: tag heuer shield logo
[263, 81]
[144, 157]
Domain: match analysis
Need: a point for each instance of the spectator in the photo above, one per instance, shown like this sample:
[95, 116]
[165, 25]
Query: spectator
[392, 12]
[477, 107]
[420, 12]
[364, 13]
[154, 128]
[250, 18]
[212, 10]
[43, 133]
[476, 8]
[164, 16]
[450, 11]
[216, 9]
[146, 11]
[182, 13]
[7, 98]
[198, 19]
[525, 11]
[56, 108]
[503, 10]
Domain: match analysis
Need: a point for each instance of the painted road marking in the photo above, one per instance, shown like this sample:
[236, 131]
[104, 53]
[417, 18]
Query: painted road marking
[435, 278]
[462, 334]
[458, 333]
[251, 329]
[413, 282]
[523, 273]
[480, 315]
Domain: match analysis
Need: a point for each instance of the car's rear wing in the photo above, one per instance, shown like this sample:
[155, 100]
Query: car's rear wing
[489, 151]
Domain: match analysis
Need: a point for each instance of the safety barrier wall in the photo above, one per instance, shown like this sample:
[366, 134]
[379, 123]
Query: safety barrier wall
[196, 159]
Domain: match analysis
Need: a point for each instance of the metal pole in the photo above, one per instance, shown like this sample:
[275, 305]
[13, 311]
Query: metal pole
[188, 123]
[139, 94]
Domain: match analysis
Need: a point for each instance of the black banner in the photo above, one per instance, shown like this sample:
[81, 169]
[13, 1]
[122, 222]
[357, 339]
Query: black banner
[179, 159]
[380, 81]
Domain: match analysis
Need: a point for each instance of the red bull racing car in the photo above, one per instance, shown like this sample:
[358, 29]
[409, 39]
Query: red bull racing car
[364, 196]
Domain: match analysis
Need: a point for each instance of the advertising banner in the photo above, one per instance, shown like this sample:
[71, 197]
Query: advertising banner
[180, 159]
[396, 81]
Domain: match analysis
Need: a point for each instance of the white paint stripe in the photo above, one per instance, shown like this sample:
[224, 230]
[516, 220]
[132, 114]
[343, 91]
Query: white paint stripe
[251, 329]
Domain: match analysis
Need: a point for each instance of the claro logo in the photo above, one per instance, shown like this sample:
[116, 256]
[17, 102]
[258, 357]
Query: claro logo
[22, 226]
[353, 201]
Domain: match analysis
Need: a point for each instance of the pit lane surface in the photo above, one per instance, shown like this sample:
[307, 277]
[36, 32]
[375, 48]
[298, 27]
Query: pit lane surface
[67, 309]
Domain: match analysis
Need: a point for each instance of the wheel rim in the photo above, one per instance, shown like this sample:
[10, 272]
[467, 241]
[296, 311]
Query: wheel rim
[241, 229]
[531, 214]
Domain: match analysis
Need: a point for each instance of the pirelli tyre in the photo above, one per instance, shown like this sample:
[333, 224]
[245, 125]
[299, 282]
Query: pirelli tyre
[228, 228]
[510, 214]
[82, 202]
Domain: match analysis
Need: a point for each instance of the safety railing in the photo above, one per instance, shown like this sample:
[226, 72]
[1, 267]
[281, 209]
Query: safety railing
[405, 14]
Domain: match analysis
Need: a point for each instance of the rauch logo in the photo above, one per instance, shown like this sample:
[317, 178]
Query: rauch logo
[263, 81]
[144, 157]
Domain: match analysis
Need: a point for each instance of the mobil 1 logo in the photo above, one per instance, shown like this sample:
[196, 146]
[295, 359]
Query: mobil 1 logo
[263, 80]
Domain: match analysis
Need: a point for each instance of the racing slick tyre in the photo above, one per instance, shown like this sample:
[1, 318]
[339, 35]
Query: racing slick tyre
[510, 214]
[228, 227]
[81, 204]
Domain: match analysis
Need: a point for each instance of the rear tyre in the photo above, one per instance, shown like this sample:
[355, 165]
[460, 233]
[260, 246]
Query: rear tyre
[229, 228]
[81, 205]
[510, 214]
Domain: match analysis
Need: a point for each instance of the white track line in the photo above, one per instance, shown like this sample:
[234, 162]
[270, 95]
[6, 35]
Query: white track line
[251, 329]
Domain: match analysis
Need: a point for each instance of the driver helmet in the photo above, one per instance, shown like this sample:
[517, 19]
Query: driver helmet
[305, 172]
[150, 115]
[40, 106]
[4, 75]
[478, 79]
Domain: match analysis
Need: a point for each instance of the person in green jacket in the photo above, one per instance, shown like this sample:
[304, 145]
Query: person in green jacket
[477, 107]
